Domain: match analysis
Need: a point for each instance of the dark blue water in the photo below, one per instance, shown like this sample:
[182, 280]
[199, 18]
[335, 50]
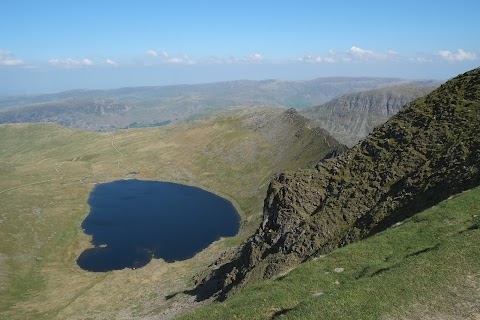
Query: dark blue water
[133, 221]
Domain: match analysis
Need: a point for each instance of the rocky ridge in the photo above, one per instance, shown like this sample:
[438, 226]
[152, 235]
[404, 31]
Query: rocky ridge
[351, 117]
[426, 153]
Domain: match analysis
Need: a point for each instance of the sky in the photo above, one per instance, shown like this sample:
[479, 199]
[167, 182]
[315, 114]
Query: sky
[55, 45]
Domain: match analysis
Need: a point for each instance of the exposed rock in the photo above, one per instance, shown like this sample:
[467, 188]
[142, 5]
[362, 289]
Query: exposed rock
[427, 152]
[353, 116]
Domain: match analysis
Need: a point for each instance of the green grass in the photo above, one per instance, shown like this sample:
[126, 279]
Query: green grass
[47, 173]
[428, 266]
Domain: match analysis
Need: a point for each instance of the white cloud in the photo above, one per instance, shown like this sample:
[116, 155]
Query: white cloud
[460, 55]
[353, 54]
[174, 60]
[357, 53]
[151, 53]
[155, 54]
[110, 62]
[185, 59]
[7, 59]
[316, 59]
[251, 58]
[182, 59]
[310, 59]
[166, 58]
[87, 62]
[420, 60]
[54, 62]
[364, 54]
[254, 57]
[70, 63]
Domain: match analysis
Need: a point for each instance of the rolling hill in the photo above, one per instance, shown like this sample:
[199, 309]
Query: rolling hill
[146, 106]
[47, 173]
[387, 190]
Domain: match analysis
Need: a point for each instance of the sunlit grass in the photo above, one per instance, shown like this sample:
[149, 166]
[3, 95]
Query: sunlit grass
[47, 173]
[427, 266]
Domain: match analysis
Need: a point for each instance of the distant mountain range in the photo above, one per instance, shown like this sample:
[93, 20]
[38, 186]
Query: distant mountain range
[104, 110]
[351, 117]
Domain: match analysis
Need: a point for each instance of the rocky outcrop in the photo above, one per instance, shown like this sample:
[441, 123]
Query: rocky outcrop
[351, 117]
[427, 152]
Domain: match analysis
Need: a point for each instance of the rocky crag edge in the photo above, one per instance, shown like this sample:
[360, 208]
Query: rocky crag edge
[426, 153]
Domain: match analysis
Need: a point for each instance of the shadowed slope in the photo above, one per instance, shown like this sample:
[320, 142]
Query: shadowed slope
[424, 154]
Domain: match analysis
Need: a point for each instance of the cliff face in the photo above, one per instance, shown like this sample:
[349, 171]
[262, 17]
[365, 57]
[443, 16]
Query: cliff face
[427, 152]
[353, 116]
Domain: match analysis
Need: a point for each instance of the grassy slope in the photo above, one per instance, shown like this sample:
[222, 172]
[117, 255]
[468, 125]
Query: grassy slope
[423, 155]
[47, 173]
[426, 268]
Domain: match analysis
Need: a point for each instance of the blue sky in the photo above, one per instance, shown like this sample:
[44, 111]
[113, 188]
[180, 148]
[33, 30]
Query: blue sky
[49, 45]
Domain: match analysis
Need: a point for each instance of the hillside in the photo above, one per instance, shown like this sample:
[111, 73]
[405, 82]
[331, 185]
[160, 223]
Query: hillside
[424, 268]
[426, 153]
[351, 117]
[146, 106]
[47, 173]
[86, 113]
